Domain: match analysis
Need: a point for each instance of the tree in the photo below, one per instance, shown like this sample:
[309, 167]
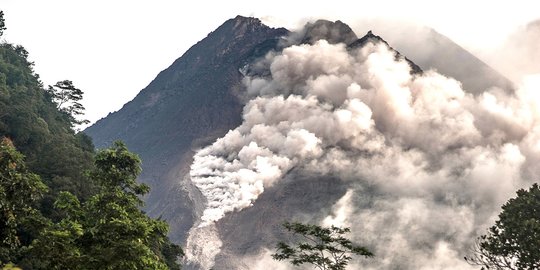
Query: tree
[514, 241]
[19, 191]
[121, 235]
[108, 231]
[58, 245]
[2, 23]
[325, 248]
[67, 97]
[10, 266]
[64, 227]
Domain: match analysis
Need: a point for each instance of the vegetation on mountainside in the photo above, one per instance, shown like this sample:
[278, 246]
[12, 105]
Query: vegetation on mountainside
[2, 23]
[43, 134]
[62, 206]
[19, 192]
[67, 97]
[108, 231]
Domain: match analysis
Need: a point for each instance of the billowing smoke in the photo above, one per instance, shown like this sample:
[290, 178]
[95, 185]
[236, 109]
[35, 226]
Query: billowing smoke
[427, 164]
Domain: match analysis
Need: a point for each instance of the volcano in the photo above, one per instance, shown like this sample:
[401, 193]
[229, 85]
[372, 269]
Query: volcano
[202, 96]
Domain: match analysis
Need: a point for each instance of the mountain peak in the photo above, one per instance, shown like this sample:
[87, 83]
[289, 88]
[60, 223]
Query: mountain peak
[242, 21]
[370, 37]
[239, 26]
[333, 32]
[244, 18]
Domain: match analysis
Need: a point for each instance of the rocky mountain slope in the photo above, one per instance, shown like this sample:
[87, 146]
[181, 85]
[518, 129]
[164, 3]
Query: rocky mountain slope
[189, 104]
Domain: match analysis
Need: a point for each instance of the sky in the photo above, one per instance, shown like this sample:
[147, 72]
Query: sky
[114, 49]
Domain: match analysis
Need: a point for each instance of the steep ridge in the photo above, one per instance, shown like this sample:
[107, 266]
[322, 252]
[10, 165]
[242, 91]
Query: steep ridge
[370, 37]
[189, 104]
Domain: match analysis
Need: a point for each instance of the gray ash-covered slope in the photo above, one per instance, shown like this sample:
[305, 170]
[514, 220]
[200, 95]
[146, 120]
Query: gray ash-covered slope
[191, 103]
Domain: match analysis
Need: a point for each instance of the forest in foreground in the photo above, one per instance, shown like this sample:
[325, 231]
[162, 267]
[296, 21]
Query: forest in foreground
[64, 205]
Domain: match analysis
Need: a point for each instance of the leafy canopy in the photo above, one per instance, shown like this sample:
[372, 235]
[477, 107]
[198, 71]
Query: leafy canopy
[514, 241]
[67, 98]
[91, 213]
[40, 131]
[19, 191]
[108, 231]
[2, 23]
[324, 248]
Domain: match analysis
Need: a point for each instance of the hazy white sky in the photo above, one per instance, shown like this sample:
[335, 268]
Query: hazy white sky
[113, 49]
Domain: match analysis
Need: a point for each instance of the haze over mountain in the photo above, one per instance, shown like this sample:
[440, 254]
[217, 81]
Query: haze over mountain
[519, 55]
[432, 50]
[254, 125]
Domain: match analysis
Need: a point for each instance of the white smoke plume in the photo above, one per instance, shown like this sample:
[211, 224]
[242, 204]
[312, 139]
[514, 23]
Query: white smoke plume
[428, 164]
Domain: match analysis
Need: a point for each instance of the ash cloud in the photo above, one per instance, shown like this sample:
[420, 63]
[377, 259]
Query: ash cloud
[428, 164]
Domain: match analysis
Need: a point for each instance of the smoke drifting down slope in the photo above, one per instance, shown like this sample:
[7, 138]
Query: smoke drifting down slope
[427, 165]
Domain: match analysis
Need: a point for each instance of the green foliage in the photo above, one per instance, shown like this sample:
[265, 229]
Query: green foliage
[90, 218]
[122, 236]
[325, 248]
[2, 23]
[118, 168]
[514, 241]
[108, 231]
[10, 266]
[19, 191]
[56, 247]
[44, 134]
[67, 98]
